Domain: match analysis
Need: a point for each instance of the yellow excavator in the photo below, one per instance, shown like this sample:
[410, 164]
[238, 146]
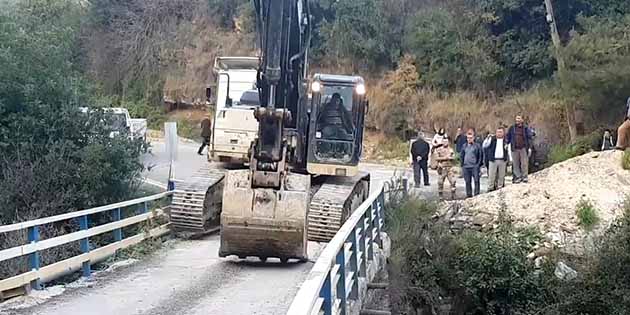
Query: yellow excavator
[303, 179]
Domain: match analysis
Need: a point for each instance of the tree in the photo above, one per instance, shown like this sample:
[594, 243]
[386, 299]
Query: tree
[451, 50]
[358, 35]
[598, 66]
[53, 159]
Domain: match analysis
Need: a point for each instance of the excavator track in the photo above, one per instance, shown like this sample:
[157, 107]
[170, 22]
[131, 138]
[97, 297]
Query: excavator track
[196, 203]
[333, 202]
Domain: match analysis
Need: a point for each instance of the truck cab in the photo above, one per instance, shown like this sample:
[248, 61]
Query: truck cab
[234, 126]
[338, 107]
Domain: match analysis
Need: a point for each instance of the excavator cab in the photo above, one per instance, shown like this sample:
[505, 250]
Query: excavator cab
[338, 106]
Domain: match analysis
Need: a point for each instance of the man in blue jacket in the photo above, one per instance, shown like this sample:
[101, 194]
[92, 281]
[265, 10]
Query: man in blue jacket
[471, 159]
[519, 138]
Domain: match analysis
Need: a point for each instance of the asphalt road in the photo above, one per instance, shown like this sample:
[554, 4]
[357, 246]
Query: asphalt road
[188, 277]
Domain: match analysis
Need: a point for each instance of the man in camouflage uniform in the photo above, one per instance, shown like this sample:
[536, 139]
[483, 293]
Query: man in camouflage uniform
[445, 157]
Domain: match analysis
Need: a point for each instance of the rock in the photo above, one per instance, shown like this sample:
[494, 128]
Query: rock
[482, 220]
[549, 201]
[564, 272]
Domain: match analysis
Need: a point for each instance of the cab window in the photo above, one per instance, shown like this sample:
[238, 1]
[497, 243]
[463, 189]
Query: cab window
[335, 117]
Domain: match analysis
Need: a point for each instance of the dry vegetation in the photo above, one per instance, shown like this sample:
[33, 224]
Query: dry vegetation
[399, 104]
[150, 50]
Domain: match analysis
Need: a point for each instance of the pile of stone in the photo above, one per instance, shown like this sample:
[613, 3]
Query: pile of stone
[550, 199]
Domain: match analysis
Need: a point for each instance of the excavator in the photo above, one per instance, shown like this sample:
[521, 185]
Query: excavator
[303, 179]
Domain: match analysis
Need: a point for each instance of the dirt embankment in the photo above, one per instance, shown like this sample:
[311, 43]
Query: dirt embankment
[551, 199]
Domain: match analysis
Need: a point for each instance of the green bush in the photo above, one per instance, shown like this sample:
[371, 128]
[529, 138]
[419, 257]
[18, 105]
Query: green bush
[487, 272]
[155, 115]
[562, 152]
[187, 129]
[53, 158]
[587, 214]
[480, 272]
[604, 283]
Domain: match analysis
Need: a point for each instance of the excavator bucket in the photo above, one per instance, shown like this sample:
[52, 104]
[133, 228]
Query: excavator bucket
[264, 222]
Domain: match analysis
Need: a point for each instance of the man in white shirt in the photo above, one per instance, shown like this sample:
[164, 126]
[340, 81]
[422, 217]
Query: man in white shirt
[497, 149]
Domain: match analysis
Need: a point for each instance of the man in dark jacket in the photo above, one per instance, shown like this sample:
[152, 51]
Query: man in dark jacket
[206, 133]
[460, 140]
[519, 138]
[471, 159]
[497, 153]
[420, 160]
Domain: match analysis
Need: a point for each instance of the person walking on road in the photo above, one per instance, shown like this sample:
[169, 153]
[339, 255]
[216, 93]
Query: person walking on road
[623, 133]
[445, 157]
[472, 159]
[497, 150]
[519, 138]
[420, 160]
[206, 133]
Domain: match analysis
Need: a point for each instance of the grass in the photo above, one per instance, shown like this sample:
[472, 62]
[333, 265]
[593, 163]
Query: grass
[393, 149]
[562, 152]
[188, 122]
[625, 161]
[587, 214]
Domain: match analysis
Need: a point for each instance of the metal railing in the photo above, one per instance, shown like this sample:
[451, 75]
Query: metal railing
[88, 256]
[334, 280]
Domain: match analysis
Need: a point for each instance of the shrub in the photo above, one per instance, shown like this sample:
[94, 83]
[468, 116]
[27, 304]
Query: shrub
[562, 152]
[604, 284]
[53, 158]
[155, 115]
[488, 272]
[481, 272]
[587, 214]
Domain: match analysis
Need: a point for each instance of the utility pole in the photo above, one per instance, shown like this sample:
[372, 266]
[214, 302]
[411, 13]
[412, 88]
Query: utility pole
[555, 36]
[557, 43]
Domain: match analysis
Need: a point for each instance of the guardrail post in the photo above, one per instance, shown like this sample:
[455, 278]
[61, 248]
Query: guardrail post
[354, 266]
[33, 259]
[326, 294]
[341, 284]
[85, 246]
[145, 207]
[370, 231]
[405, 184]
[376, 205]
[362, 251]
[117, 232]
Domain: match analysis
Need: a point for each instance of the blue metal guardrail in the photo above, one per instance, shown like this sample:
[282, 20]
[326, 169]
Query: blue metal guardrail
[334, 280]
[88, 256]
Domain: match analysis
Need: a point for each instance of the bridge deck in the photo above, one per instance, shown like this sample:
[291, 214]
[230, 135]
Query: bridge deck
[187, 278]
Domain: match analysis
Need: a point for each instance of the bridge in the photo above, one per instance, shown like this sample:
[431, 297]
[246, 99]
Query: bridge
[187, 276]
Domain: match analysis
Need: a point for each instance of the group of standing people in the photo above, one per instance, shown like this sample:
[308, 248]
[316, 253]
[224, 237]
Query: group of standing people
[494, 153]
